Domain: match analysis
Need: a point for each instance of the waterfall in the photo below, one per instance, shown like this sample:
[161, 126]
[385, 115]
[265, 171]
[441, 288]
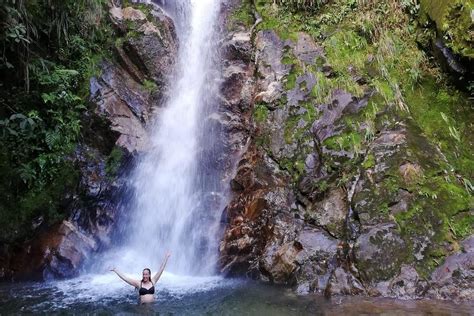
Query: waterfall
[177, 195]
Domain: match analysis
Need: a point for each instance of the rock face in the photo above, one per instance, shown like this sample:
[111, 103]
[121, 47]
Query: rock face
[130, 88]
[454, 278]
[323, 209]
[127, 93]
[58, 252]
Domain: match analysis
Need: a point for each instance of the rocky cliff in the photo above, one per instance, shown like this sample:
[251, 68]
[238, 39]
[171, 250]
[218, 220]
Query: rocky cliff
[355, 179]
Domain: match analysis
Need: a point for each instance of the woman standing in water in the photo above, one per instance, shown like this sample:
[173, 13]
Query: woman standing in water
[145, 286]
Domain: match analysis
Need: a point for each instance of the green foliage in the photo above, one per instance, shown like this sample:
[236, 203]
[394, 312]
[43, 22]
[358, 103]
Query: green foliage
[150, 86]
[260, 112]
[243, 14]
[351, 142]
[305, 5]
[369, 161]
[114, 162]
[50, 49]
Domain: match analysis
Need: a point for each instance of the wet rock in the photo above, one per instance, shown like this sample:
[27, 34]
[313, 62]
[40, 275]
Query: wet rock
[330, 213]
[317, 259]
[260, 220]
[402, 201]
[455, 277]
[132, 14]
[116, 14]
[278, 265]
[115, 101]
[410, 172]
[118, 92]
[57, 253]
[468, 244]
[449, 61]
[238, 47]
[342, 103]
[269, 52]
[407, 284]
[388, 149]
[379, 253]
[344, 283]
[303, 87]
[307, 50]
[154, 49]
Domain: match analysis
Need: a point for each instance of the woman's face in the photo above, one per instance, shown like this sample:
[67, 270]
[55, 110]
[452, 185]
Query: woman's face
[146, 275]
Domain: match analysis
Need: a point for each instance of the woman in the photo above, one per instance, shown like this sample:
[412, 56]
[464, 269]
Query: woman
[146, 287]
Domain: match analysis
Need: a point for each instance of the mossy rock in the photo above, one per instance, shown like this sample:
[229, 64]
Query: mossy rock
[379, 253]
[454, 19]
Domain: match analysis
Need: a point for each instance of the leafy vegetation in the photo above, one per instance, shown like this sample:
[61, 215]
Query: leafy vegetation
[50, 49]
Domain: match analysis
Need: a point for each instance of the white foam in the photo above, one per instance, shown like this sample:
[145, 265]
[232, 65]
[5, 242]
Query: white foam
[107, 287]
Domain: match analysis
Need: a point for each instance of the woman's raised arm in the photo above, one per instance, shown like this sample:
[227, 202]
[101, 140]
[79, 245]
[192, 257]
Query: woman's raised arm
[132, 282]
[157, 276]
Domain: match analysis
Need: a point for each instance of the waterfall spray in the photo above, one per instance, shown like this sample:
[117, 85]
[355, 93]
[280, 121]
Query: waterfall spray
[177, 202]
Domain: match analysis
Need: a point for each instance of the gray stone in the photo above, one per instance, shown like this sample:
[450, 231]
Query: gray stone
[379, 253]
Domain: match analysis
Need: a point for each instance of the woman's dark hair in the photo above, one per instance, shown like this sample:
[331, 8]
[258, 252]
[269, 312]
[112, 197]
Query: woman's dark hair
[149, 271]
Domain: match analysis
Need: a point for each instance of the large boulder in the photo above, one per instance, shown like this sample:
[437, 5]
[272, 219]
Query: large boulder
[380, 253]
[57, 253]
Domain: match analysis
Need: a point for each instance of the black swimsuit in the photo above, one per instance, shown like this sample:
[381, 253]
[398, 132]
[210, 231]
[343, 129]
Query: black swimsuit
[143, 291]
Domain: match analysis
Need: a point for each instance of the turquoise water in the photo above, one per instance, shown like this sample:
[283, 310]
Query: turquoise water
[104, 295]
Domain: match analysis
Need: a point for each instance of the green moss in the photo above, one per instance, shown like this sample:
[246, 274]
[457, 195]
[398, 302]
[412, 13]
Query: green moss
[294, 167]
[369, 161]
[362, 41]
[119, 42]
[262, 140]
[461, 226]
[114, 161]
[291, 131]
[322, 88]
[441, 212]
[132, 34]
[445, 117]
[351, 141]
[296, 126]
[346, 48]
[290, 80]
[384, 90]
[260, 113]
[243, 14]
[453, 19]
[145, 8]
[150, 86]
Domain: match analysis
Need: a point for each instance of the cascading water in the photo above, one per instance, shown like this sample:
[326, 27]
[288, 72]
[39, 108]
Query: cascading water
[177, 200]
